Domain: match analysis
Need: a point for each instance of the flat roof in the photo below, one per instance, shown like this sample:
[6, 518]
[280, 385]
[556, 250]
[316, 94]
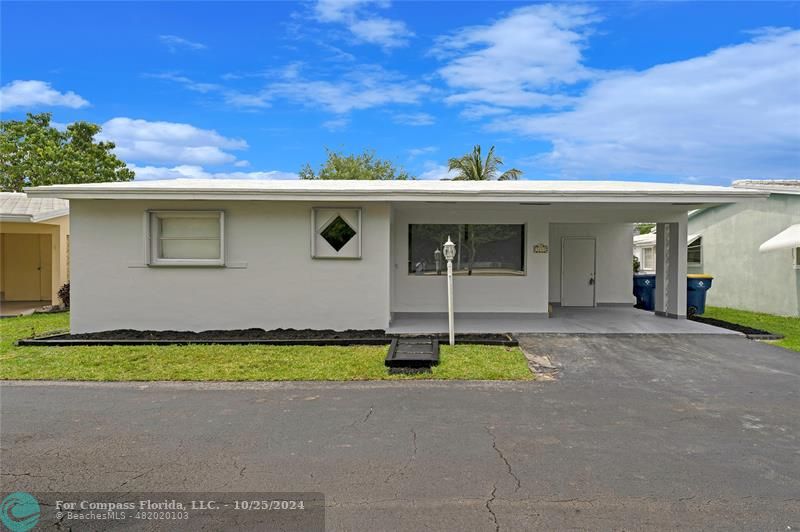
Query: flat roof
[412, 190]
[776, 186]
[19, 207]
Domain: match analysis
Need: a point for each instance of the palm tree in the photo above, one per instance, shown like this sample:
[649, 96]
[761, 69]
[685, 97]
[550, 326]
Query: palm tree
[472, 167]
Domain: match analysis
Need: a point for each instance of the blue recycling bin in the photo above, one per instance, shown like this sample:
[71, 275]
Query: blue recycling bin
[697, 286]
[644, 288]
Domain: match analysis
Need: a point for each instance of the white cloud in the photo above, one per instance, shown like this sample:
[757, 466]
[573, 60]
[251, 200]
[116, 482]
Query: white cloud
[358, 87]
[336, 124]
[175, 43]
[363, 87]
[363, 26]
[519, 60]
[190, 84]
[382, 31]
[340, 10]
[256, 100]
[731, 113]
[144, 173]
[476, 112]
[435, 171]
[35, 93]
[416, 152]
[414, 119]
[169, 142]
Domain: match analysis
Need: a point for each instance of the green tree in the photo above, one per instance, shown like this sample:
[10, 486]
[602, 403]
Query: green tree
[34, 153]
[364, 166]
[644, 228]
[472, 167]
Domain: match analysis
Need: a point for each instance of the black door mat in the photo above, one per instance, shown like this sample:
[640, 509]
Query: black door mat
[417, 352]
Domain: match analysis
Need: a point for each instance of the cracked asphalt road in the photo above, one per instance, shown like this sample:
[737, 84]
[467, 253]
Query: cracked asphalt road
[637, 432]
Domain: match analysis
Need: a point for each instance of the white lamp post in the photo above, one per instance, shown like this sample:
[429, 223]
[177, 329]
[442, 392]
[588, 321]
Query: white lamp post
[449, 250]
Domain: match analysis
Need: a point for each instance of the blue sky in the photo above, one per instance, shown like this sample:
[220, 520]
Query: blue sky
[684, 92]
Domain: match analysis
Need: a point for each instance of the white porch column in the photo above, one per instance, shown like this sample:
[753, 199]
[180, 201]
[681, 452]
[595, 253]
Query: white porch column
[671, 269]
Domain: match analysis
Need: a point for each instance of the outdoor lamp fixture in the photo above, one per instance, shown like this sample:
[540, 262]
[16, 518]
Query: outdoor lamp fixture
[449, 250]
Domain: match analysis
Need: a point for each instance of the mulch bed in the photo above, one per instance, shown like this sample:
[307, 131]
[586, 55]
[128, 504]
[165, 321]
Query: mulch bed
[233, 334]
[247, 336]
[754, 334]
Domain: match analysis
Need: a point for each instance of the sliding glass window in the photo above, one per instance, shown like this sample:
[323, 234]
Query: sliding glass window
[481, 249]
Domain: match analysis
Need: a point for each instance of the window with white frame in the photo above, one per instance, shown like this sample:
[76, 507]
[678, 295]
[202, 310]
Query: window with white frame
[649, 258]
[694, 253]
[797, 258]
[186, 238]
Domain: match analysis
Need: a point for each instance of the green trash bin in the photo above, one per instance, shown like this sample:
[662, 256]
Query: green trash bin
[697, 284]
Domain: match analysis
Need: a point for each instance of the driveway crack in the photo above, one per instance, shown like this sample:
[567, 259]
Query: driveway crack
[489, 502]
[140, 475]
[504, 459]
[411, 458]
[369, 413]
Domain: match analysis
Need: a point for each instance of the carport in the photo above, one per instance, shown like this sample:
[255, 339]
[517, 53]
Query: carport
[34, 236]
[576, 275]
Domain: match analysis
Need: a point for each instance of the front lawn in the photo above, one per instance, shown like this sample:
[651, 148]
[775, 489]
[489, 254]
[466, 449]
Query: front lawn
[788, 327]
[231, 362]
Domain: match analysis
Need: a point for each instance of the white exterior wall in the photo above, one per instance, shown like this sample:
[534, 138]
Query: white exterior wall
[477, 293]
[271, 281]
[614, 275]
[745, 278]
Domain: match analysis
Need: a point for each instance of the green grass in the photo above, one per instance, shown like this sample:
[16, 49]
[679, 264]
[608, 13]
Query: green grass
[787, 326]
[231, 362]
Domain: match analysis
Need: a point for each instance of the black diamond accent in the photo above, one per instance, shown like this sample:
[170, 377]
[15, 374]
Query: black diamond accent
[338, 233]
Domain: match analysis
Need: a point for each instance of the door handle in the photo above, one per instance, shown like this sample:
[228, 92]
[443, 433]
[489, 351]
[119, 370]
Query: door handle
[591, 280]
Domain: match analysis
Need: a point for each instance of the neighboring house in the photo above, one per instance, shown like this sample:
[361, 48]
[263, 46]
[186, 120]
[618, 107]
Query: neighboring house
[34, 241]
[644, 249]
[229, 254]
[753, 249]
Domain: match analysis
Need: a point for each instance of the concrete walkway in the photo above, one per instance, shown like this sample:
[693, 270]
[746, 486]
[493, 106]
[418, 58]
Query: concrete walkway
[10, 309]
[598, 320]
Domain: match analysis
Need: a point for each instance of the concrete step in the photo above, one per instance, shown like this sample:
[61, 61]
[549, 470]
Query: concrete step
[413, 353]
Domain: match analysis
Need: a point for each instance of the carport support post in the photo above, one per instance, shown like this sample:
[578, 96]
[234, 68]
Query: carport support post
[671, 269]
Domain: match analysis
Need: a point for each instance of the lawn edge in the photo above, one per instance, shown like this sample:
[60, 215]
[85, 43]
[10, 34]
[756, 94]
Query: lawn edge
[277, 385]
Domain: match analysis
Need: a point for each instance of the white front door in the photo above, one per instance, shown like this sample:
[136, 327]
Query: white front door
[577, 272]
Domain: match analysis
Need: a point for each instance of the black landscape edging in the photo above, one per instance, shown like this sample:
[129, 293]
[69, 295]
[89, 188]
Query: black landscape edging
[750, 332]
[66, 340]
[61, 341]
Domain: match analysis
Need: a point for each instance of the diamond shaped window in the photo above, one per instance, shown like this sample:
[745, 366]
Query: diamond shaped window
[338, 233]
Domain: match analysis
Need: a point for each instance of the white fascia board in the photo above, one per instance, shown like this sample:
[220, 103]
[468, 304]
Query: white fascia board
[33, 218]
[49, 215]
[691, 198]
[16, 218]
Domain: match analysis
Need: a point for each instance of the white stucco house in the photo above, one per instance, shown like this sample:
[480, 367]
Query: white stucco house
[644, 249]
[217, 254]
[753, 249]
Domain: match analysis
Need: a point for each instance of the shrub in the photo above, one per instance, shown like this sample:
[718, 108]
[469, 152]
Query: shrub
[63, 295]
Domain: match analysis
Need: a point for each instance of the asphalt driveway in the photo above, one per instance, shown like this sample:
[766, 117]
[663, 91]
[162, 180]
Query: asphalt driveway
[638, 432]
